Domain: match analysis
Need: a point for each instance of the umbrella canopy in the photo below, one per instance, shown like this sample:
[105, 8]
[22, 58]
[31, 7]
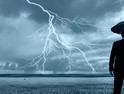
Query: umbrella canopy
[118, 28]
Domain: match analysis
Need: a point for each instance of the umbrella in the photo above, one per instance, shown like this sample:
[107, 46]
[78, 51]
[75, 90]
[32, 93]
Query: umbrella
[118, 28]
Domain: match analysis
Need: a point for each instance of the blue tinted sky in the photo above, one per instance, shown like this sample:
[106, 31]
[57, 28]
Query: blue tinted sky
[20, 41]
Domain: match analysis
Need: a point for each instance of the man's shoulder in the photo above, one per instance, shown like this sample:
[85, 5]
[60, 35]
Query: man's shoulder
[117, 42]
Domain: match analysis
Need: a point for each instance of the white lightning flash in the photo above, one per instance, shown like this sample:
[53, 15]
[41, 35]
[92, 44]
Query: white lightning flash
[41, 59]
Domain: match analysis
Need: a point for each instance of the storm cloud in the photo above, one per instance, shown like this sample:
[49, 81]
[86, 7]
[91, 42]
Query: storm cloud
[19, 39]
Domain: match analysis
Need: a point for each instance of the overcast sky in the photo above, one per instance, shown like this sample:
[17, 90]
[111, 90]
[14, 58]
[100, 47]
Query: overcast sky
[89, 31]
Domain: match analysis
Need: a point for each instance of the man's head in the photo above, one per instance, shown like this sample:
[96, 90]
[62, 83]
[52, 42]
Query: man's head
[122, 34]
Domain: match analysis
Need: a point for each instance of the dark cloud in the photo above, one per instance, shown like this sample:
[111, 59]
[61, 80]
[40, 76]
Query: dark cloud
[15, 27]
[65, 8]
[85, 8]
[92, 10]
[14, 8]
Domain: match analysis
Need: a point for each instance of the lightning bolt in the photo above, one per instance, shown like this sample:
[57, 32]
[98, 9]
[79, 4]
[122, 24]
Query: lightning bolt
[66, 48]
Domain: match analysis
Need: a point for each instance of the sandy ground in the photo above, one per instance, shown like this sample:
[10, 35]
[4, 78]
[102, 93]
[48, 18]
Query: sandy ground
[103, 85]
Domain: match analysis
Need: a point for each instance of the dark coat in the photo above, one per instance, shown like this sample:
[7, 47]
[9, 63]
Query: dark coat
[116, 62]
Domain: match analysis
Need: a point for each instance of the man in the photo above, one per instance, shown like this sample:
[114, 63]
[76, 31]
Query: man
[116, 64]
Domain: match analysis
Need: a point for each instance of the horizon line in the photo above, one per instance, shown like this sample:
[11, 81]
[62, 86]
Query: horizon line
[56, 75]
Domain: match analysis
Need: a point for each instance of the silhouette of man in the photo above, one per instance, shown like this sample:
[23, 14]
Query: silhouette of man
[116, 64]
